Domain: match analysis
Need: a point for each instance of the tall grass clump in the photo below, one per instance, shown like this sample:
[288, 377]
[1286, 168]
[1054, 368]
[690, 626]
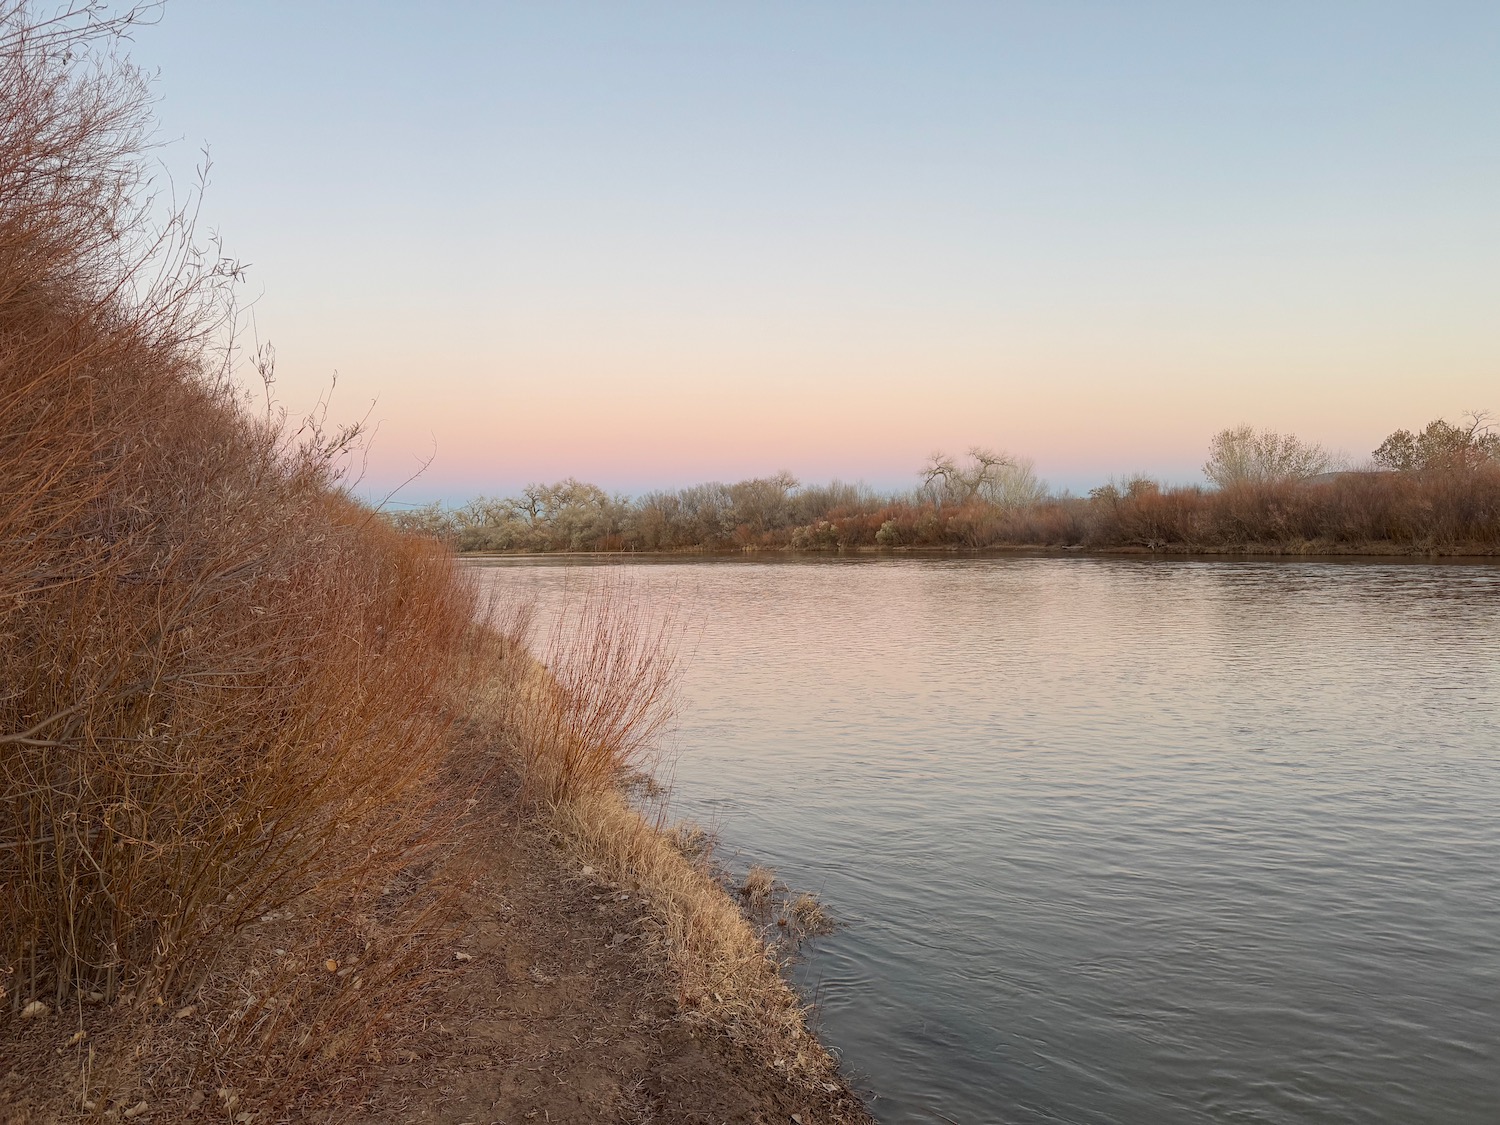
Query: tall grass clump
[220, 677]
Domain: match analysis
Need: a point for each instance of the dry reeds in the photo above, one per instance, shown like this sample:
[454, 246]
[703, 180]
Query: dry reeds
[606, 700]
[808, 916]
[758, 887]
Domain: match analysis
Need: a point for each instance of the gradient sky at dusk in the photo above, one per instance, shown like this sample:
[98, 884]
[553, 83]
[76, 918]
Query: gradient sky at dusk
[652, 244]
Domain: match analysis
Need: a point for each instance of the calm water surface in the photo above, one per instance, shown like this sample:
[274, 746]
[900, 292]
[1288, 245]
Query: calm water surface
[1115, 840]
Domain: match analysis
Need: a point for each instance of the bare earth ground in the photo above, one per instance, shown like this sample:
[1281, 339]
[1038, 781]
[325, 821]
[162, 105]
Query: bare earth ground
[551, 999]
[553, 1006]
[555, 1009]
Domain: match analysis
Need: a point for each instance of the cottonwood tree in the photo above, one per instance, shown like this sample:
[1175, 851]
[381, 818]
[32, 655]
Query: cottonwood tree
[765, 503]
[1132, 487]
[426, 519]
[1471, 443]
[707, 512]
[992, 477]
[1242, 455]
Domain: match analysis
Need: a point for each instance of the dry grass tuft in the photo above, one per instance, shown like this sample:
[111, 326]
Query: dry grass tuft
[694, 842]
[807, 916]
[758, 887]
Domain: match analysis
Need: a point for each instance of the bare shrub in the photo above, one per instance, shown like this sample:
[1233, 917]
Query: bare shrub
[221, 679]
[606, 697]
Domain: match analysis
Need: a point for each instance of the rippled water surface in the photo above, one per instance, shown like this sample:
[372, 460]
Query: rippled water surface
[1115, 840]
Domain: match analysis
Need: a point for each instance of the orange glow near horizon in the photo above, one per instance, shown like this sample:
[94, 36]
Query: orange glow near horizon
[649, 245]
[634, 418]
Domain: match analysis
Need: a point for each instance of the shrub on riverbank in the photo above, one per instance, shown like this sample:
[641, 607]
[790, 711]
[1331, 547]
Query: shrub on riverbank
[223, 680]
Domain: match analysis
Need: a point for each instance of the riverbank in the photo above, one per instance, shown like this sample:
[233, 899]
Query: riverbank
[1450, 505]
[1375, 551]
[576, 963]
[630, 911]
[560, 1005]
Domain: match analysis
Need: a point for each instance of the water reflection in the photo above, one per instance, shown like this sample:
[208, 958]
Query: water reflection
[1117, 840]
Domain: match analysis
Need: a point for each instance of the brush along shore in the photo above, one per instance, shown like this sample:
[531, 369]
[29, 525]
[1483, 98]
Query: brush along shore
[551, 955]
[1441, 495]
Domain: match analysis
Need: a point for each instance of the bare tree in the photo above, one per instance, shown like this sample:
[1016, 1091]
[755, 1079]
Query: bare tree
[1472, 442]
[1243, 456]
[764, 504]
[992, 477]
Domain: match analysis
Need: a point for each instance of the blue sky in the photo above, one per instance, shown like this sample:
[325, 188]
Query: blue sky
[656, 243]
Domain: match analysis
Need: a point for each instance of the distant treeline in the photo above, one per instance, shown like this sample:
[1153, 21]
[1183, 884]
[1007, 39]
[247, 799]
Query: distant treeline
[1435, 490]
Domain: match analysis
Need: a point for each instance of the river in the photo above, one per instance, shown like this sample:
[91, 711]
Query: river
[1112, 840]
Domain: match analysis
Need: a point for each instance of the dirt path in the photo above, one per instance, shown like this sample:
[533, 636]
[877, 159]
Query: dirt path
[555, 1009]
[551, 1000]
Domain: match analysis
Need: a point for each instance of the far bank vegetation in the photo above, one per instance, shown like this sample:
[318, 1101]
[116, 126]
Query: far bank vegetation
[1436, 490]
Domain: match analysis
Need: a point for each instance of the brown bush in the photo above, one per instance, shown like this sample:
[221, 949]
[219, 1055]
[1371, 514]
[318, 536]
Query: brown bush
[606, 698]
[222, 678]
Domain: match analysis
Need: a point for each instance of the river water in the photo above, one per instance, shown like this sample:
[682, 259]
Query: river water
[1113, 840]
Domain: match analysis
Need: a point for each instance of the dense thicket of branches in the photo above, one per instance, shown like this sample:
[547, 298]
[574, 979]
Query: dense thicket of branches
[219, 676]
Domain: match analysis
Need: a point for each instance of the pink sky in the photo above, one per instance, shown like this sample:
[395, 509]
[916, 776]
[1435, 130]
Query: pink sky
[655, 244]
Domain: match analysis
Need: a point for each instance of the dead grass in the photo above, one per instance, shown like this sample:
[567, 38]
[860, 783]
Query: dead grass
[758, 887]
[726, 974]
[808, 916]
